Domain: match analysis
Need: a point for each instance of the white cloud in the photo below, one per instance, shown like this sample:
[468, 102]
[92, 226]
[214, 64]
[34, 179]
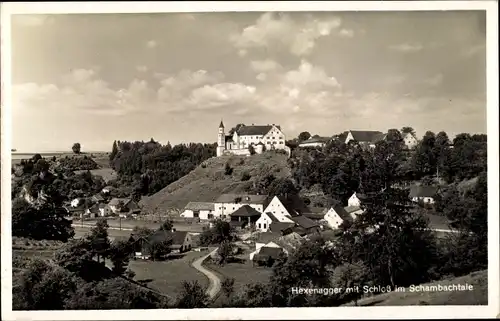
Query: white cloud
[407, 47]
[261, 77]
[152, 44]
[262, 66]
[346, 33]
[270, 28]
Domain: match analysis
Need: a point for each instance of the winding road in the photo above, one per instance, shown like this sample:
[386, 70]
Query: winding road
[215, 283]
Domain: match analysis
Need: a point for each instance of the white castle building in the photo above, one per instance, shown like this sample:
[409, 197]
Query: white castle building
[262, 138]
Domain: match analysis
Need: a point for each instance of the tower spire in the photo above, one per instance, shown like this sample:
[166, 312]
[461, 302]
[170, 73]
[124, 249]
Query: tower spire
[221, 124]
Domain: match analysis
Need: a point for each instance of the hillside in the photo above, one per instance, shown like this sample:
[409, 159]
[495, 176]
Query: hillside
[206, 182]
[478, 296]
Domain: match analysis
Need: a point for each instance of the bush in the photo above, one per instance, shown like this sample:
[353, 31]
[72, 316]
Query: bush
[245, 176]
[228, 170]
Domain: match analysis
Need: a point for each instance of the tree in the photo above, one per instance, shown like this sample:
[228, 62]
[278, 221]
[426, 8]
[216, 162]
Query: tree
[142, 232]
[350, 275]
[42, 286]
[390, 240]
[224, 252]
[304, 136]
[119, 254]
[160, 248]
[282, 187]
[220, 232]
[227, 286]
[167, 225]
[114, 151]
[76, 148]
[251, 149]
[193, 296]
[228, 170]
[98, 239]
[407, 130]
[424, 159]
[47, 221]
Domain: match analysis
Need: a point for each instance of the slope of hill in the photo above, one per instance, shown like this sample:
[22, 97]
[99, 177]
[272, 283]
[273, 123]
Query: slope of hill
[206, 182]
[477, 296]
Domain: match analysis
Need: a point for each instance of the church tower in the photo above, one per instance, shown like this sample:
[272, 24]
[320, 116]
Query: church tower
[221, 140]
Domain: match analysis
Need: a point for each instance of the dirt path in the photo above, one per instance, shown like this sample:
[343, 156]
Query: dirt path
[215, 283]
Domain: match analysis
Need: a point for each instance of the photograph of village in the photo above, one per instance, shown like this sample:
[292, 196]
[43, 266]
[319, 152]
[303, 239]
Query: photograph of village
[249, 159]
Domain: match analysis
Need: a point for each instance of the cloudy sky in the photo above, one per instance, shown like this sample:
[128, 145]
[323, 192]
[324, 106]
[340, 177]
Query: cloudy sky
[95, 78]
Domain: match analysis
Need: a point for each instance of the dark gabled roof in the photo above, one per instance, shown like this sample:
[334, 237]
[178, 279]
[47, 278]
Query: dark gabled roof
[316, 140]
[295, 205]
[98, 197]
[244, 198]
[177, 237]
[423, 191]
[341, 212]
[304, 222]
[253, 130]
[272, 217]
[351, 209]
[221, 125]
[280, 226]
[267, 237]
[245, 211]
[116, 201]
[368, 136]
[266, 252]
[198, 206]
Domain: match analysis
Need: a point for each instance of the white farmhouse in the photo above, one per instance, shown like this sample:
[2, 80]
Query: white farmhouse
[353, 200]
[410, 140]
[76, 202]
[226, 204]
[260, 137]
[337, 215]
[365, 137]
[275, 212]
[202, 210]
[315, 142]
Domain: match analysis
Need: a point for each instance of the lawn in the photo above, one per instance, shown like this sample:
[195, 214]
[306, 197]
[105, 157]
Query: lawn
[242, 271]
[478, 295]
[167, 276]
[130, 224]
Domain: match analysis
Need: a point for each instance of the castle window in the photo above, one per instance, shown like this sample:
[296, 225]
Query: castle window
[281, 137]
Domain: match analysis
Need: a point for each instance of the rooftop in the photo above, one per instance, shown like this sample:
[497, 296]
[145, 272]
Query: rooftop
[200, 206]
[423, 191]
[245, 211]
[242, 198]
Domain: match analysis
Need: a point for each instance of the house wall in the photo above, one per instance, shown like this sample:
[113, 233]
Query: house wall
[274, 139]
[114, 209]
[333, 219]
[263, 223]
[229, 208]
[277, 208]
[349, 138]
[353, 200]
[317, 144]
[410, 141]
[188, 242]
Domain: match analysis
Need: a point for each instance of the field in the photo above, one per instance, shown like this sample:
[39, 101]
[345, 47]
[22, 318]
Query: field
[478, 296]
[167, 276]
[208, 181]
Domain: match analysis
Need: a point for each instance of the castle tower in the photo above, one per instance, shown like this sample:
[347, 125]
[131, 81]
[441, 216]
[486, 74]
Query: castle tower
[221, 140]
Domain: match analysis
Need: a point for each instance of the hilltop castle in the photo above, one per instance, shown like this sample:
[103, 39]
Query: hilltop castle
[260, 137]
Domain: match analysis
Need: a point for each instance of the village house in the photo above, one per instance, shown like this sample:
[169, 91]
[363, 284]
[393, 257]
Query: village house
[422, 193]
[107, 189]
[117, 205]
[305, 226]
[97, 198]
[410, 140]
[353, 200]
[287, 243]
[226, 204]
[244, 216]
[337, 215]
[265, 221]
[180, 242]
[201, 210]
[366, 138]
[262, 138]
[315, 141]
[77, 202]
